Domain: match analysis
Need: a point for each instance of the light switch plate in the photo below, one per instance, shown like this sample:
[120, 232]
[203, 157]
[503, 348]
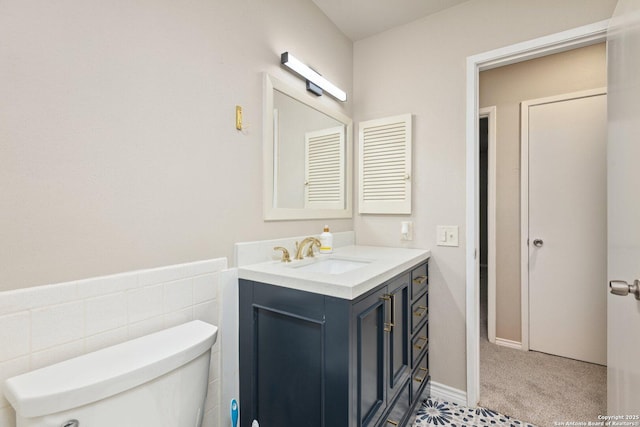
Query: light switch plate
[447, 235]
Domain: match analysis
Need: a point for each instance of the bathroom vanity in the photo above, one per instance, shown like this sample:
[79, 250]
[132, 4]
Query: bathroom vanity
[338, 340]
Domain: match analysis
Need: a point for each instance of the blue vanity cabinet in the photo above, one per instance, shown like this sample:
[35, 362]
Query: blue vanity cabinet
[315, 360]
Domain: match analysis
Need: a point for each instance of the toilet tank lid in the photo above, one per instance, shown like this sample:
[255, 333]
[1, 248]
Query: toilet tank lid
[104, 373]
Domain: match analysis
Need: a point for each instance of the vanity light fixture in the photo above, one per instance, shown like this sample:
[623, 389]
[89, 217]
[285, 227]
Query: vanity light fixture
[315, 82]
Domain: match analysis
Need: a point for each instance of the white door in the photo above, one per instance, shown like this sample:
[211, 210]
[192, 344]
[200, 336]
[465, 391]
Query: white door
[623, 150]
[567, 224]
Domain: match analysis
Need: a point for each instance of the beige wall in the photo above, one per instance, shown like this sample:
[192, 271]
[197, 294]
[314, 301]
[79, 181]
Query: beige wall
[506, 87]
[420, 68]
[118, 149]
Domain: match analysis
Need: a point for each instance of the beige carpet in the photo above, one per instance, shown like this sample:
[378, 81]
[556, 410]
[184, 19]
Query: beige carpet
[539, 388]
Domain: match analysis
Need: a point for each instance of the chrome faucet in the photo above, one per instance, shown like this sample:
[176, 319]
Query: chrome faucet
[300, 247]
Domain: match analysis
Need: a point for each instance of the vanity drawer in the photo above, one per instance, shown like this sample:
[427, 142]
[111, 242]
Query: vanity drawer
[400, 409]
[420, 377]
[419, 311]
[419, 344]
[419, 280]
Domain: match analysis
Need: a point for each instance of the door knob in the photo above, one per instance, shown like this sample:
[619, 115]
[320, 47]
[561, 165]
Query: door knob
[538, 243]
[622, 288]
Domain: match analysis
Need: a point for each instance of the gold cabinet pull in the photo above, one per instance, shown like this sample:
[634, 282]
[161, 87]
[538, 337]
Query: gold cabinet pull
[420, 280]
[420, 347]
[388, 326]
[426, 371]
[393, 310]
[393, 423]
[421, 311]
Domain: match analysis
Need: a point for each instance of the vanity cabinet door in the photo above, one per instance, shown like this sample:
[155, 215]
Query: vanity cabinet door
[371, 319]
[398, 290]
[282, 342]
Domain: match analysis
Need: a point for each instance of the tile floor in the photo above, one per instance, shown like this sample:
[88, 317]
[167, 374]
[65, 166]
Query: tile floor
[440, 413]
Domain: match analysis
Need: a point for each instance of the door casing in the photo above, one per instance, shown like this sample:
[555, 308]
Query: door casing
[547, 45]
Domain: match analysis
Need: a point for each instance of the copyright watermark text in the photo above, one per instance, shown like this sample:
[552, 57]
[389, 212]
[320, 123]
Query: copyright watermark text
[604, 420]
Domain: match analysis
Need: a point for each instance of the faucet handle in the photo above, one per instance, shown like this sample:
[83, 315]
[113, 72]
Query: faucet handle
[314, 242]
[285, 254]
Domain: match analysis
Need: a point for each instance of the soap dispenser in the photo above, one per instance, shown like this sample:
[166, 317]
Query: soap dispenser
[326, 241]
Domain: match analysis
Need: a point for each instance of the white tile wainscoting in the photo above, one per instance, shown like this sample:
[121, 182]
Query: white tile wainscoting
[47, 324]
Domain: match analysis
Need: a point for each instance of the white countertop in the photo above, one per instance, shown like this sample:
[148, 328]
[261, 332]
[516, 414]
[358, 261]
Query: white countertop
[383, 263]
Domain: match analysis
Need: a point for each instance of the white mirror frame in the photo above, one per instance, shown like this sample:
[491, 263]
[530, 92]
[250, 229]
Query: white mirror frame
[271, 212]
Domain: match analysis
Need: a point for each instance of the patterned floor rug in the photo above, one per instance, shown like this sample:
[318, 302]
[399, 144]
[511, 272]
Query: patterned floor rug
[439, 413]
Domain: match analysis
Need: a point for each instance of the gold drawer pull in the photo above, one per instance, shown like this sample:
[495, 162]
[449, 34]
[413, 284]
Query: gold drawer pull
[420, 280]
[393, 423]
[421, 311]
[420, 347]
[426, 371]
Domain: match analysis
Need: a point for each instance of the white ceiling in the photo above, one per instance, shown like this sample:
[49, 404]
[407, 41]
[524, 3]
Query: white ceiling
[359, 19]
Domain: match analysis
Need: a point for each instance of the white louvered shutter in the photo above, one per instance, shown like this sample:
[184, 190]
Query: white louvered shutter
[385, 165]
[325, 169]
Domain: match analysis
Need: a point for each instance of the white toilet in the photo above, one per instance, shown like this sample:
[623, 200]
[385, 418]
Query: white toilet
[159, 380]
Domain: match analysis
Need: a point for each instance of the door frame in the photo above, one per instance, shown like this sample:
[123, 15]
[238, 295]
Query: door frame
[490, 114]
[524, 196]
[547, 45]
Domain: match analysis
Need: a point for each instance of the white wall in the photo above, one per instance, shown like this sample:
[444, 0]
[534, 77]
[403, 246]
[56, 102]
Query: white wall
[420, 68]
[118, 147]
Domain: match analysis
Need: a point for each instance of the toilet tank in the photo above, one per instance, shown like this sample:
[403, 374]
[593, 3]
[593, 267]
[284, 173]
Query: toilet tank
[159, 380]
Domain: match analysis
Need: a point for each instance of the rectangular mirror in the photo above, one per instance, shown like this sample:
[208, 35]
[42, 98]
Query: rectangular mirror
[307, 151]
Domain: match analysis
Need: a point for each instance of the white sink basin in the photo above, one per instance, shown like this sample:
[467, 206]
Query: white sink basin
[332, 266]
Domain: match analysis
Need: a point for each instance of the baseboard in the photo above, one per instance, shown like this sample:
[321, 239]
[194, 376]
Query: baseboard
[508, 343]
[448, 394]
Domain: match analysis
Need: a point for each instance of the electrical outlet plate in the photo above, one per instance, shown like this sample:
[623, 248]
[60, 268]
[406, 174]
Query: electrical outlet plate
[406, 230]
[447, 235]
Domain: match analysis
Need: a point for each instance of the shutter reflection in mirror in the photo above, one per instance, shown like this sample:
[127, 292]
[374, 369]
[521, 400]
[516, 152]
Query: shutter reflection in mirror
[325, 168]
